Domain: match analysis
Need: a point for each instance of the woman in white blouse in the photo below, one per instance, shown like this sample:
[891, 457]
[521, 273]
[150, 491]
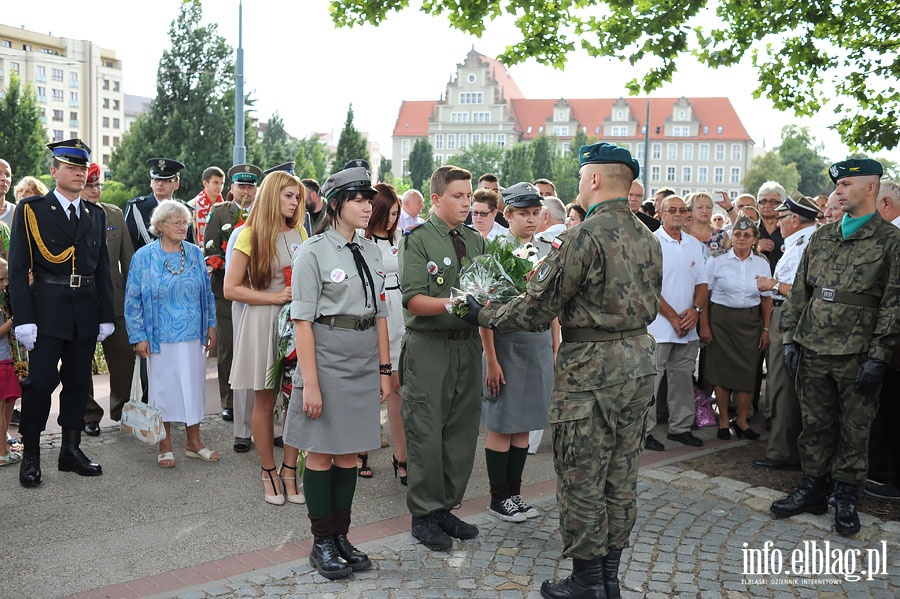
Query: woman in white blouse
[736, 325]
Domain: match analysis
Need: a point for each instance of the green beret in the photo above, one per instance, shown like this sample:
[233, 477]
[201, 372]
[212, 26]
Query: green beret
[802, 206]
[604, 153]
[521, 195]
[245, 173]
[855, 167]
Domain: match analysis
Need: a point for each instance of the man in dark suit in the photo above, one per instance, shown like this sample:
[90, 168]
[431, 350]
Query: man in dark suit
[116, 348]
[164, 181]
[68, 307]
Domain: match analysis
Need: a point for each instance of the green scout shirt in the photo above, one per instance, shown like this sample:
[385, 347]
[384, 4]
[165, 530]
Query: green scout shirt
[429, 248]
[868, 263]
[606, 274]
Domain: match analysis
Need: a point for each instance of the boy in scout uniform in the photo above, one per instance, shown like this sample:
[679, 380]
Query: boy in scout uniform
[440, 354]
[61, 242]
[840, 325]
[603, 279]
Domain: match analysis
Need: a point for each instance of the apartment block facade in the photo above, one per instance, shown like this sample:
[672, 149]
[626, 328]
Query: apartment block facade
[78, 86]
[693, 143]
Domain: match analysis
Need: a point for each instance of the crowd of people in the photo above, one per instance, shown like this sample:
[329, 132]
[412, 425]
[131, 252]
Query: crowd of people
[692, 298]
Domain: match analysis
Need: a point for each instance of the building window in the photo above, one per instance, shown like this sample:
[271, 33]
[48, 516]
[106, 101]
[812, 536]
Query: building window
[404, 168]
[736, 151]
[106, 121]
[671, 151]
[42, 94]
[670, 174]
[463, 141]
[704, 152]
[115, 123]
[115, 141]
[459, 117]
[451, 141]
[481, 117]
[106, 159]
[501, 140]
[735, 175]
[685, 192]
[73, 78]
[73, 135]
[404, 146]
[105, 102]
[73, 116]
[619, 131]
[488, 138]
[439, 141]
[476, 138]
[654, 173]
[57, 135]
[640, 150]
[58, 95]
[720, 129]
[687, 151]
[106, 140]
[560, 116]
[682, 115]
[14, 67]
[73, 98]
[718, 175]
[471, 98]
[40, 73]
[656, 151]
[685, 174]
[26, 47]
[561, 131]
[106, 84]
[57, 115]
[702, 174]
[471, 78]
[56, 74]
[116, 86]
[620, 115]
[720, 151]
[566, 147]
[681, 131]
[6, 44]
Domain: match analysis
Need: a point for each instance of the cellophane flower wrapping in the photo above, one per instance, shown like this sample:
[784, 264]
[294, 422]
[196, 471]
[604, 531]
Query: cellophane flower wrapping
[497, 276]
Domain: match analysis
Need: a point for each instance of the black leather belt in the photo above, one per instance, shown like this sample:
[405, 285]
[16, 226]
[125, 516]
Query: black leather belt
[844, 297]
[347, 322]
[539, 329]
[592, 335]
[74, 281]
[449, 335]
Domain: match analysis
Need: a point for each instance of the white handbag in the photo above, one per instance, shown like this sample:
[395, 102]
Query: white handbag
[144, 422]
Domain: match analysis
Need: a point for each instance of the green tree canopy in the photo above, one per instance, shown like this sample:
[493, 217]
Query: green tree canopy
[384, 171]
[311, 159]
[517, 162]
[421, 162]
[770, 167]
[479, 159]
[565, 177]
[799, 147]
[351, 145]
[805, 54]
[22, 136]
[276, 145]
[542, 165]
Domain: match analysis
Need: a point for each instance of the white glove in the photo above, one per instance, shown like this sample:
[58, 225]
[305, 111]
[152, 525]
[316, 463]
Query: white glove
[106, 329]
[27, 335]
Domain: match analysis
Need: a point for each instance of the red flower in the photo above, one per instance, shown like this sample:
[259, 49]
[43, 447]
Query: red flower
[215, 262]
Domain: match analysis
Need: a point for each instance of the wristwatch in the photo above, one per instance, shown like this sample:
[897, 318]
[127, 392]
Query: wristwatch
[698, 309]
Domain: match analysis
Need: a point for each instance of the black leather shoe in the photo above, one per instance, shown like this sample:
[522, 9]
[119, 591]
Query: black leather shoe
[425, 529]
[92, 429]
[653, 445]
[775, 464]
[585, 582]
[72, 459]
[686, 437]
[227, 414]
[30, 469]
[455, 527]
[353, 556]
[242, 444]
[611, 573]
[809, 496]
[846, 518]
[326, 559]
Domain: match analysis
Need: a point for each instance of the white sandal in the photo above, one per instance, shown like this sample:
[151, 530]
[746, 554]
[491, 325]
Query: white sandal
[10, 458]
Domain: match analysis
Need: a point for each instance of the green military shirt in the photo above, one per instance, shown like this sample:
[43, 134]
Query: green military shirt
[866, 263]
[428, 266]
[606, 274]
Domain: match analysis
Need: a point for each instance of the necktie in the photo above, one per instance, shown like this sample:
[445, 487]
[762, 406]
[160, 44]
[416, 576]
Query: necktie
[363, 269]
[459, 245]
[73, 217]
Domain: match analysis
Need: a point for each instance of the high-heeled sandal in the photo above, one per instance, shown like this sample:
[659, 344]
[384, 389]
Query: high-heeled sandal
[299, 498]
[277, 499]
[397, 466]
[364, 470]
[748, 432]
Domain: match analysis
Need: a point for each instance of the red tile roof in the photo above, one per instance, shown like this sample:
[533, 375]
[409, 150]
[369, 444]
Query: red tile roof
[413, 118]
[498, 71]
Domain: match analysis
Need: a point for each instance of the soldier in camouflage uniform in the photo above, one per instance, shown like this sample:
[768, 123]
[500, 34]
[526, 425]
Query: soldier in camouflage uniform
[840, 323]
[603, 280]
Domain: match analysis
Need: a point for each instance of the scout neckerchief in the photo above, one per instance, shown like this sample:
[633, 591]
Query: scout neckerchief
[202, 207]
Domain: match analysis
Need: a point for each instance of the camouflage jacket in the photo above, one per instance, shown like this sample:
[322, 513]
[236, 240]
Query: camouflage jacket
[866, 263]
[605, 273]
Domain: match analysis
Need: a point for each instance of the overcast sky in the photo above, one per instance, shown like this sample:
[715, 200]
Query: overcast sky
[411, 57]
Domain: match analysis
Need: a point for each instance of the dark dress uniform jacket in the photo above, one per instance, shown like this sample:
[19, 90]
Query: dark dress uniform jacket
[61, 311]
[146, 204]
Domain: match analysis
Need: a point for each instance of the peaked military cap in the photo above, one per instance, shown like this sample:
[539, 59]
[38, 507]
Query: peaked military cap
[522, 195]
[164, 168]
[855, 167]
[287, 167]
[743, 223]
[355, 178]
[802, 206]
[93, 175]
[71, 151]
[245, 173]
[358, 163]
[604, 153]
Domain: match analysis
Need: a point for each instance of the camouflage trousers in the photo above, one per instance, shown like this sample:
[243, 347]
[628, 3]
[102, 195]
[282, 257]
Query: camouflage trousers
[596, 455]
[836, 419]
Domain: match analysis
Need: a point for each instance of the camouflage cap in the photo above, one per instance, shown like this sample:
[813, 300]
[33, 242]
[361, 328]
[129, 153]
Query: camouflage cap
[521, 195]
[355, 178]
[802, 206]
[246, 174]
[855, 167]
[604, 153]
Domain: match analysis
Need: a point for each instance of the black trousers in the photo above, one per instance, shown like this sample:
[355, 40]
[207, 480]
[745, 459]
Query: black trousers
[43, 378]
[884, 442]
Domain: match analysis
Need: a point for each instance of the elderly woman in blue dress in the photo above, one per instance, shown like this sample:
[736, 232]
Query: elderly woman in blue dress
[170, 316]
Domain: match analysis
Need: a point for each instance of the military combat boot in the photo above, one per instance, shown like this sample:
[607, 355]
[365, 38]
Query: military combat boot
[30, 469]
[585, 582]
[808, 496]
[611, 573]
[353, 556]
[846, 520]
[325, 557]
[72, 459]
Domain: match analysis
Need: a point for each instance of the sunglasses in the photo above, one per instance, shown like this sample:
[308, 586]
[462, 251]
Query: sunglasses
[481, 214]
[677, 210]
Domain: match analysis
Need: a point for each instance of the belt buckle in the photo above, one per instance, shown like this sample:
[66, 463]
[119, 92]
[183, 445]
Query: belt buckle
[828, 294]
[75, 281]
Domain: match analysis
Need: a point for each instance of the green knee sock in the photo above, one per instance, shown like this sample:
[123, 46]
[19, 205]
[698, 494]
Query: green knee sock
[515, 467]
[317, 488]
[343, 487]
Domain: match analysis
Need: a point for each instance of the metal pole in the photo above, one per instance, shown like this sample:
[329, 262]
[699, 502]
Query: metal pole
[647, 148]
[240, 150]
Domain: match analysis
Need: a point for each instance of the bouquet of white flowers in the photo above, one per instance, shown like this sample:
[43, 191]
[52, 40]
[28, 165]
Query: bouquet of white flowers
[496, 276]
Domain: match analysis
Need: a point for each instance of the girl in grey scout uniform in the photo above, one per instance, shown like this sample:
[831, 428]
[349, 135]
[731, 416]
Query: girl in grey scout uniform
[342, 343]
[518, 378]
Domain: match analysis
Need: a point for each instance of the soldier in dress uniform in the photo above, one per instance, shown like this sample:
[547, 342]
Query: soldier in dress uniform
[164, 181]
[603, 279]
[116, 348]
[61, 242]
[840, 325]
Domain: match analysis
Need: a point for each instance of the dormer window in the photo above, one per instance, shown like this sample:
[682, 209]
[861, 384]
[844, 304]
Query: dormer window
[620, 115]
[682, 115]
